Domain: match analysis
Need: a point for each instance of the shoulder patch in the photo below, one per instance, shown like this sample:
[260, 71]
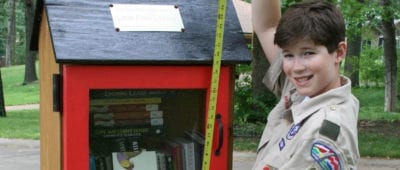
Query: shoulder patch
[330, 130]
[325, 156]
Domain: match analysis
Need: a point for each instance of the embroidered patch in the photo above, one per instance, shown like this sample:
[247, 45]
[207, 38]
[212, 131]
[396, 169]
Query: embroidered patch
[325, 156]
[330, 130]
[293, 131]
[282, 144]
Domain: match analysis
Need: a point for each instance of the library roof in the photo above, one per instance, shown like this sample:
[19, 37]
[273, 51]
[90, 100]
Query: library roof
[83, 32]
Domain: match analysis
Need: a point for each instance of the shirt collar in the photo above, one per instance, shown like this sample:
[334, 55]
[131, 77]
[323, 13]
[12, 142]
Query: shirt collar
[301, 110]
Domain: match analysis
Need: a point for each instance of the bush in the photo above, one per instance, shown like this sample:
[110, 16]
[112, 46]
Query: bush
[251, 108]
[371, 67]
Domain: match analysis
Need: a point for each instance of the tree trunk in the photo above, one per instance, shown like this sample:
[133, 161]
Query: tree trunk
[30, 56]
[259, 68]
[261, 93]
[390, 57]
[10, 49]
[352, 62]
[2, 103]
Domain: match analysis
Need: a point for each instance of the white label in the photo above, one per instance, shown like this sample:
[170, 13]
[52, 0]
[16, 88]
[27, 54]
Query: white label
[130, 17]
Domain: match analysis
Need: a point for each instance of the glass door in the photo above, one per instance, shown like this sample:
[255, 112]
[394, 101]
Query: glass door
[152, 129]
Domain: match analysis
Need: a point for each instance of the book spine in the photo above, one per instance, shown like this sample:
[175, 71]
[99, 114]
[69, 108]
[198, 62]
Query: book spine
[135, 122]
[187, 153]
[170, 164]
[176, 153]
[128, 115]
[124, 108]
[101, 102]
[137, 131]
[161, 161]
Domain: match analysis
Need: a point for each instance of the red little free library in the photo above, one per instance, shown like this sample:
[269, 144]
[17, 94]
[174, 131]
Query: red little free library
[117, 94]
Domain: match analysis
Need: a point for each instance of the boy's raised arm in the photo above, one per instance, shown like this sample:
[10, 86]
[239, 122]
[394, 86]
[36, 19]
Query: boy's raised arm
[265, 16]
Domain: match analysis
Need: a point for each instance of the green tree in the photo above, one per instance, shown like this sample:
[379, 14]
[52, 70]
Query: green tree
[3, 28]
[390, 55]
[353, 12]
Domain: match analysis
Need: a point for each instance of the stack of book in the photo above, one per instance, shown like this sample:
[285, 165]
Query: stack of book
[119, 125]
[186, 152]
[181, 153]
[134, 117]
[128, 130]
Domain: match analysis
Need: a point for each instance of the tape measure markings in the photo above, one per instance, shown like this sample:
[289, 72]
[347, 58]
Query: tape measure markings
[216, 67]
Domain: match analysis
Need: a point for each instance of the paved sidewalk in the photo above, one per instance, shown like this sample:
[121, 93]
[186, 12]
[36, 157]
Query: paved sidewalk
[19, 154]
[22, 107]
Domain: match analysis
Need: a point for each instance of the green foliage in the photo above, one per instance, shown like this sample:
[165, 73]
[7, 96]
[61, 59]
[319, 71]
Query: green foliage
[3, 28]
[250, 107]
[20, 30]
[372, 68]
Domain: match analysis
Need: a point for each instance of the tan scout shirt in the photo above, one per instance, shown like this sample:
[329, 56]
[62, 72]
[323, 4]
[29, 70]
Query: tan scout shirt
[312, 133]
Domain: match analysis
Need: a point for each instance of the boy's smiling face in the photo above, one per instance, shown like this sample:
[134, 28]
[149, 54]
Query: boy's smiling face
[311, 68]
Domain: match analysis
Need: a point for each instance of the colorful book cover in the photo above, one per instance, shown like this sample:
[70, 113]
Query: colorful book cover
[144, 160]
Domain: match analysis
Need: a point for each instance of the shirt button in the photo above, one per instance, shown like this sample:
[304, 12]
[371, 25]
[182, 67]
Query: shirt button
[332, 107]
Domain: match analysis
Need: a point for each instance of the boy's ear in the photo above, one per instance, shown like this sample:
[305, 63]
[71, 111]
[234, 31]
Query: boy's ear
[341, 51]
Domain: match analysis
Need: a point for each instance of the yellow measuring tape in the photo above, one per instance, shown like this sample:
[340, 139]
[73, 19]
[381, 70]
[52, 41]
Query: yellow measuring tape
[216, 67]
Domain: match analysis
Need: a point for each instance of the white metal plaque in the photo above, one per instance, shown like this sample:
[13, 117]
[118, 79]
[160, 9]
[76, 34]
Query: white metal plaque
[135, 17]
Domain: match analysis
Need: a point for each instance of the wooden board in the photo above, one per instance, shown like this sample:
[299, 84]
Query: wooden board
[50, 122]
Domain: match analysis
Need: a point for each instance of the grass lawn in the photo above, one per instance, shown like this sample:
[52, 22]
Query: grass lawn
[20, 124]
[14, 92]
[375, 139]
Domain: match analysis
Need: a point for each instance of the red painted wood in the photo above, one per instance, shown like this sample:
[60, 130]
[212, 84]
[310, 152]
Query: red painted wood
[78, 80]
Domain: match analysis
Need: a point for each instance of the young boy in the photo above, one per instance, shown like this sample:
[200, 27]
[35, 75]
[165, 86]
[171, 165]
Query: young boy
[314, 125]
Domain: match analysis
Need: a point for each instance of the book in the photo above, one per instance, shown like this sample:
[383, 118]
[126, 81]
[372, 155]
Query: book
[134, 122]
[143, 160]
[102, 163]
[188, 153]
[115, 101]
[198, 140]
[170, 164]
[175, 150]
[124, 108]
[132, 131]
[128, 115]
[161, 161]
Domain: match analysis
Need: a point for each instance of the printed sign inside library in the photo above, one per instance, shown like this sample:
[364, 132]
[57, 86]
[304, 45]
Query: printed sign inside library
[139, 17]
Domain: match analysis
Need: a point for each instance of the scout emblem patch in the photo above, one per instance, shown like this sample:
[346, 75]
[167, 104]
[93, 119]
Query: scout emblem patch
[325, 156]
[293, 131]
[282, 144]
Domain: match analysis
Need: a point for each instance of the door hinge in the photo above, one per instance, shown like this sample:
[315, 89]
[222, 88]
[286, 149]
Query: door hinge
[57, 88]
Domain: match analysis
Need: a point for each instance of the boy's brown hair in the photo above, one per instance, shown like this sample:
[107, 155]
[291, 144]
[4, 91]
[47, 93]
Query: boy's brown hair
[318, 21]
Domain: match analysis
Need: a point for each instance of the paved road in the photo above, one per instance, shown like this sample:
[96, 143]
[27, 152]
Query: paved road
[17, 154]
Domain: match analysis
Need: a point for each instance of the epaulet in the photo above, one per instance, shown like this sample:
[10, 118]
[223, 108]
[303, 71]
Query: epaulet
[329, 128]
